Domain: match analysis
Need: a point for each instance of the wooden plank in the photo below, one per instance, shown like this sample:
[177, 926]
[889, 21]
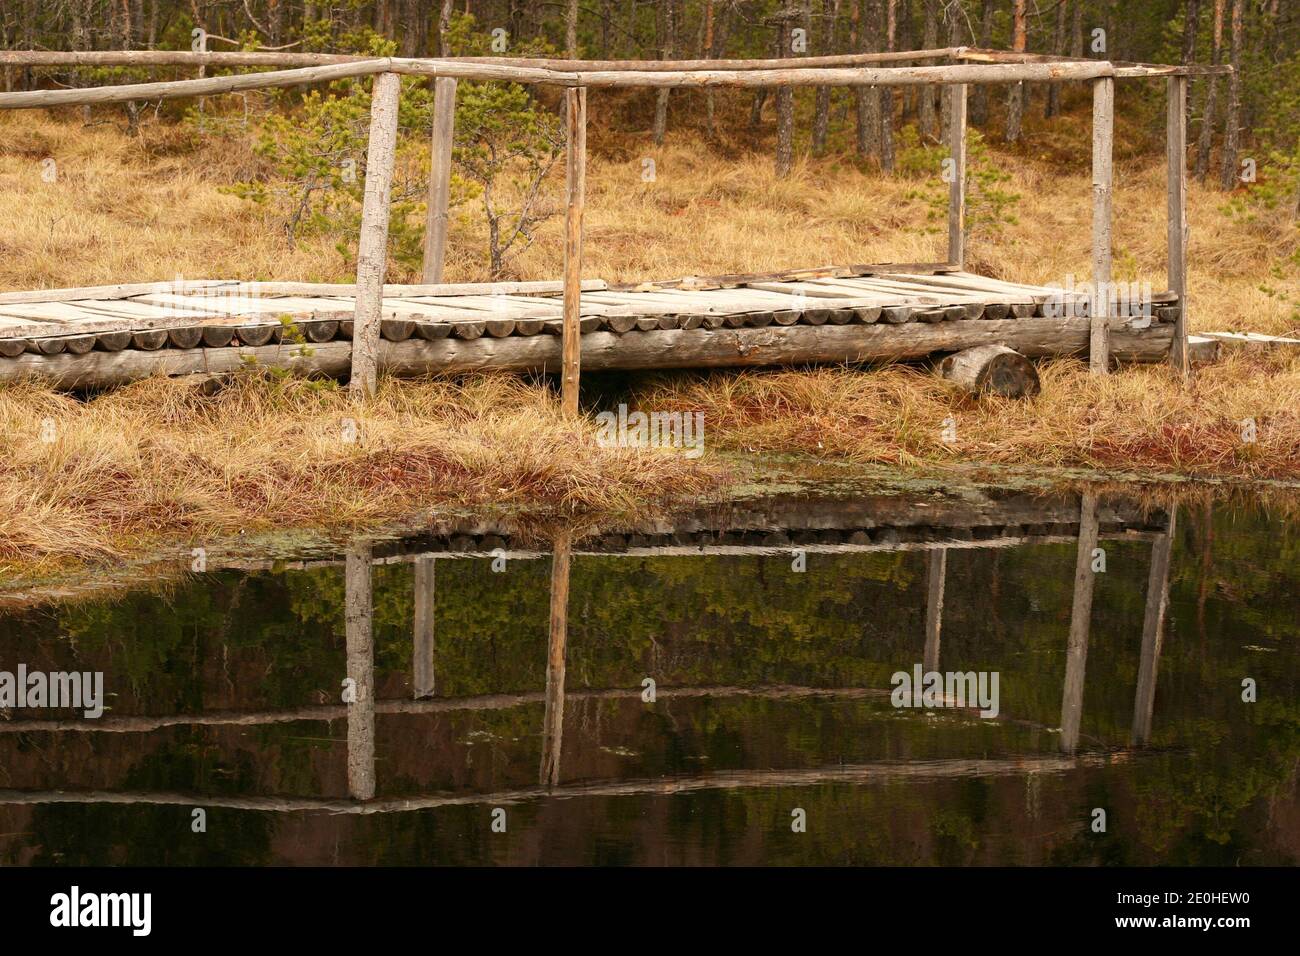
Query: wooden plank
[1251, 340]
[1176, 148]
[957, 187]
[1103, 134]
[372, 250]
[118, 291]
[347, 289]
[575, 101]
[436, 220]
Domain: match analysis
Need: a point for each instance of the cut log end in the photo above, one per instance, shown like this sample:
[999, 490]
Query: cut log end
[992, 370]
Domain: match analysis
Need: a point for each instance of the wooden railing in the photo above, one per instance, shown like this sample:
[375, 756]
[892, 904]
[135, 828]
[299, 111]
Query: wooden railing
[968, 66]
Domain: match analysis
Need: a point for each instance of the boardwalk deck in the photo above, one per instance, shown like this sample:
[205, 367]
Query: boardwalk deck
[104, 336]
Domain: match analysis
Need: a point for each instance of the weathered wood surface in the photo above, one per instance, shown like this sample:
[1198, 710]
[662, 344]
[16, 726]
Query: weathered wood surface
[575, 190]
[372, 250]
[675, 348]
[1103, 135]
[608, 79]
[1176, 148]
[436, 218]
[957, 187]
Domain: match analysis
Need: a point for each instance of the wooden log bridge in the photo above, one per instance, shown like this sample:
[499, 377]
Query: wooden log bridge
[91, 338]
[105, 336]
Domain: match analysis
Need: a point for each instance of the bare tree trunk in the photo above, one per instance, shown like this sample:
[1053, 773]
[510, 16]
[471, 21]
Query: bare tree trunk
[1052, 106]
[979, 102]
[444, 26]
[1076, 31]
[830, 14]
[929, 40]
[952, 14]
[707, 51]
[887, 93]
[667, 35]
[1191, 26]
[784, 106]
[1232, 119]
[1206, 138]
[1016, 91]
[867, 97]
[571, 31]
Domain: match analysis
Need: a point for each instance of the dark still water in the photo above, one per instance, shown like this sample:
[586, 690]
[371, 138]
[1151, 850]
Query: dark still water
[723, 691]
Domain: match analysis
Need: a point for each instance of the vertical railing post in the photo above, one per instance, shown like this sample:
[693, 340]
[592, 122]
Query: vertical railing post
[1103, 137]
[1153, 633]
[1176, 144]
[372, 250]
[1076, 655]
[435, 220]
[576, 181]
[957, 188]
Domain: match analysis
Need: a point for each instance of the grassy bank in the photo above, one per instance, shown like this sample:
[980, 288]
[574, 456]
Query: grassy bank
[162, 459]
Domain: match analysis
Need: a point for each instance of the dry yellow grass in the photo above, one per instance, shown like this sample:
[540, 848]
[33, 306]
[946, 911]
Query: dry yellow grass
[1141, 421]
[163, 458]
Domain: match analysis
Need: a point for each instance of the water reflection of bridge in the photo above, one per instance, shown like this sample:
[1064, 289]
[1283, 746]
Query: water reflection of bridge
[773, 526]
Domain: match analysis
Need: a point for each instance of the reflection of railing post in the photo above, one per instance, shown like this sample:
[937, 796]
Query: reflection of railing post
[1153, 627]
[358, 617]
[936, 565]
[1076, 656]
[422, 665]
[553, 720]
